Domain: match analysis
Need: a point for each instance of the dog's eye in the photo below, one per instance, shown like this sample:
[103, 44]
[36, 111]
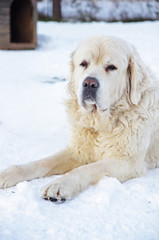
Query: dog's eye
[84, 64]
[111, 68]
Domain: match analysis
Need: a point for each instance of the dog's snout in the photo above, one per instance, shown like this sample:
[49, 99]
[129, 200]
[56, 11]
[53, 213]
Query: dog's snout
[90, 82]
[90, 86]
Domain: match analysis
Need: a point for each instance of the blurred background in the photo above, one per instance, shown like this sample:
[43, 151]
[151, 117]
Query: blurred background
[98, 10]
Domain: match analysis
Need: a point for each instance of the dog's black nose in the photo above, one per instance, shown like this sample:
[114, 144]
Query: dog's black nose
[90, 82]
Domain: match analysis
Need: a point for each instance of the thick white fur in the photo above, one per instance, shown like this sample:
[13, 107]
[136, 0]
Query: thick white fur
[116, 136]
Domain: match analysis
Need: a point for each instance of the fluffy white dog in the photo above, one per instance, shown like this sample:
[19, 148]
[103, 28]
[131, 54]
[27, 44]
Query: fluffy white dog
[114, 112]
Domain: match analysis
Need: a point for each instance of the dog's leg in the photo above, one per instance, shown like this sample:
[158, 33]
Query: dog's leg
[75, 181]
[57, 164]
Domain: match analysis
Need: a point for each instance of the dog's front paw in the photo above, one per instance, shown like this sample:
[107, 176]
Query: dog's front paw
[10, 177]
[60, 190]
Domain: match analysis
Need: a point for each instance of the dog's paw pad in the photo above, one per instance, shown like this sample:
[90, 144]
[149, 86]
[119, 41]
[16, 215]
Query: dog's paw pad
[55, 200]
[52, 199]
[60, 200]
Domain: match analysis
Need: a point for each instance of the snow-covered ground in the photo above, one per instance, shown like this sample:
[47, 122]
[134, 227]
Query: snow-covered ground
[33, 124]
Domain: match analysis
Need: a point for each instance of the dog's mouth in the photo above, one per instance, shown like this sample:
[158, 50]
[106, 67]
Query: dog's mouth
[89, 100]
[90, 104]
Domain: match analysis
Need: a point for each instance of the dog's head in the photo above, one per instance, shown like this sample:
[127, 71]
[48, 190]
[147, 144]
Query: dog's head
[103, 69]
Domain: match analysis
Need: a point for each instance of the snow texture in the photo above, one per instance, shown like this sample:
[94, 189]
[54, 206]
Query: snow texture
[33, 124]
[104, 10]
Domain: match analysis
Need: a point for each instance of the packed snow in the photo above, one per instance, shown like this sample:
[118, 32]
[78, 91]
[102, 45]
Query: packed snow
[33, 124]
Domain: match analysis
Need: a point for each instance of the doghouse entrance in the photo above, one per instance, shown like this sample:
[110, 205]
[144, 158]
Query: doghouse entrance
[21, 21]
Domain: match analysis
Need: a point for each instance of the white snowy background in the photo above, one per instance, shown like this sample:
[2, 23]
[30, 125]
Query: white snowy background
[33, 124]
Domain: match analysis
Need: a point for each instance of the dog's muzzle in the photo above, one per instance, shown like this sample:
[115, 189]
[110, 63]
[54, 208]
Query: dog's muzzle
[90, 86]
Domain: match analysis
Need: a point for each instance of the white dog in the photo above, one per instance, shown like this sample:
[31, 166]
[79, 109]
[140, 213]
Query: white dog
[114, 112]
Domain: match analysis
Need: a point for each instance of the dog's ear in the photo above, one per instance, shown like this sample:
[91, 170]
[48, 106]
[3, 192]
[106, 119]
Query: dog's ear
[137, 75]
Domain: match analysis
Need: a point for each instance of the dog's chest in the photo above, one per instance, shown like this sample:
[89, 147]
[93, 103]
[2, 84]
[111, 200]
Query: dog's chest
[90, 146]
[83, 145]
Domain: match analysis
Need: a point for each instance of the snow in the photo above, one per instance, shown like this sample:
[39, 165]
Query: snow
[105, 10]
[33, 124]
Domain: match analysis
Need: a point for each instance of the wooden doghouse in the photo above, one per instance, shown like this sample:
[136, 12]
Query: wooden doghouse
[18, 24]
